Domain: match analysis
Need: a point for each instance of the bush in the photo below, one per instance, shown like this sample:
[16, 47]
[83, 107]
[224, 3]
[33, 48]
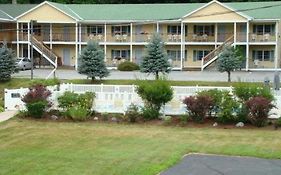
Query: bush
[228, 109]
[278, 123]
[198, 106]
[259, 108]
[128, 66]
[149, 113]
[2, 109]
[71, 99]
[36, 101]
[155, 94]
[217, 96]
[73, 103]
[245, 92]
[132, 113]
[167, 120]
[78, 113]
[183, 119]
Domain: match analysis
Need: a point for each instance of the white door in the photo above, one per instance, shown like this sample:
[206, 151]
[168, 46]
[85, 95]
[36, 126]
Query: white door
[66, 57]
[138, 55]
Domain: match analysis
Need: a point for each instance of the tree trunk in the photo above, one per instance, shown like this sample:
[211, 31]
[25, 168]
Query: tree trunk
[156, 75]
[93, 78]
[228, 74]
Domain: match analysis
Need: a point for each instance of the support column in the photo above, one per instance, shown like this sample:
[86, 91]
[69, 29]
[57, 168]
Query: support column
[80, 38]
[182, 43]
[157, 27]
[18, 47]
[247, 47]
[105, 40]
[131, 43]
[235, 35]
[76, 46]
[51, 36]
[28, 39]
[276, 45]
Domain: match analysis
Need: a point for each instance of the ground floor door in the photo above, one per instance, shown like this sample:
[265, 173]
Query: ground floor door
[66, 57]
[138, 55]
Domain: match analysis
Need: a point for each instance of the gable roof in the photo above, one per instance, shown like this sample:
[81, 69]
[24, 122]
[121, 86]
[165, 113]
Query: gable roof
[143, 12]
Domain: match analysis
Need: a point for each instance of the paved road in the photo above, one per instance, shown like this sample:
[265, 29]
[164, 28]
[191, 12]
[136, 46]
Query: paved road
[174, 75]
[196, 164]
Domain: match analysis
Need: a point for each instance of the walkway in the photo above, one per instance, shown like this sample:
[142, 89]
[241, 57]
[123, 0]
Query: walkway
[174, 75]
[196, 164]
[7, 115]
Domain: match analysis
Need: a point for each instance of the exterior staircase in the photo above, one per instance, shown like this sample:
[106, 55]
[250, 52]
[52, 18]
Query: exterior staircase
[213, 56]
[46, 52]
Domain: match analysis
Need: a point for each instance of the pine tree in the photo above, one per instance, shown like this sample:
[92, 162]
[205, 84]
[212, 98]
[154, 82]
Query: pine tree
[156, 59]
[91, 61]
[7, 63]
[229, 60]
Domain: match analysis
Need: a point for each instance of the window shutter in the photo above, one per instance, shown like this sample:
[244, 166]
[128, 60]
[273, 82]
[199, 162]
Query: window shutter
[186, 30]
[255, 29]
[254, 56]
[194, 55]
[195, 29]
[112, 54]
[272, 55]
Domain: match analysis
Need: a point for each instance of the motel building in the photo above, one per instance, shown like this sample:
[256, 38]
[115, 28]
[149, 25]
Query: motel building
[194, 33]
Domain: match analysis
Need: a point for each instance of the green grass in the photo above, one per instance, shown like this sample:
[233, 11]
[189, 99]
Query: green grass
[36, 147]
[24, 82]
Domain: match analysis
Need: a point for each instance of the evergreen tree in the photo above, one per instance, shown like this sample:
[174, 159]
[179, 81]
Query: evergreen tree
[229, 60]
[7, 63]
[156, 59]
[91, 61]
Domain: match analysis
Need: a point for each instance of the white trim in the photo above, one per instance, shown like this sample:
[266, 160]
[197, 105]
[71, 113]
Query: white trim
[276, 46]
[76, 46]
[12, 18]
[18, 47]
[51, 36]
[105, 38]
[215, 1]
[182, 44]
[3, 19]
[54, 22]
[157, 27]
[43, 3]
[235, 34]
[80, 38]
[220, 21]
[247, 46]
[131, 42]
[28, 38]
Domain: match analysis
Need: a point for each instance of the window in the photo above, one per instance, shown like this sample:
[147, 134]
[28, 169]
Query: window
[263, 55]
[199, 54]
[95, 30]
[204, 29]
[174, 54]
[174, 29]
[120, 30]
[262, 29]
[120, 54]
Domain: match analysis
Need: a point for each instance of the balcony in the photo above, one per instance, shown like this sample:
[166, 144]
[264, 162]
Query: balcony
[192, 37]
[257, 38]
[114, 62]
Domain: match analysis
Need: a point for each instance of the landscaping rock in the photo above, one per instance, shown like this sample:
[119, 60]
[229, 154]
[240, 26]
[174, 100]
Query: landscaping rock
[240, 125]
[114, 119]
[96, 118]
[54, 117]
[215, 124]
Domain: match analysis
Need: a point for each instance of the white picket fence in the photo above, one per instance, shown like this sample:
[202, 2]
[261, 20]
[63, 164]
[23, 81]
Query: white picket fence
[116, 98]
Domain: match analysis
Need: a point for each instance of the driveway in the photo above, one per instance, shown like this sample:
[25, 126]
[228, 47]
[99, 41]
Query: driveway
[174, 75]
[196, 164]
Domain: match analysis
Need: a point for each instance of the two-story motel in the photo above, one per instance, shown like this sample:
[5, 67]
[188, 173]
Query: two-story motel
[194, 33]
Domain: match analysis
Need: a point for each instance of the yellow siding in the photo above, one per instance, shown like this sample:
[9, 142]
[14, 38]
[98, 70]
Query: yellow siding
[189, 60]
[261, 64]
[46, 13]
[207, 14]
[58, 49]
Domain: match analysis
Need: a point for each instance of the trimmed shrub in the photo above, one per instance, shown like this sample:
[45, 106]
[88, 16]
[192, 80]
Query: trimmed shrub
[36, 100]
[128, 66]
[132, 114]
[259, 108]
[150, 113]
[73, 103]
[245, 92]
[198, 106]
[155, 94]
[228, 109]
[2, 109]
[78, 113]
[217, 96]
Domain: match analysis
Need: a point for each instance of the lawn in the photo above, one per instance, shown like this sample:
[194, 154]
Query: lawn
[41, 147]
